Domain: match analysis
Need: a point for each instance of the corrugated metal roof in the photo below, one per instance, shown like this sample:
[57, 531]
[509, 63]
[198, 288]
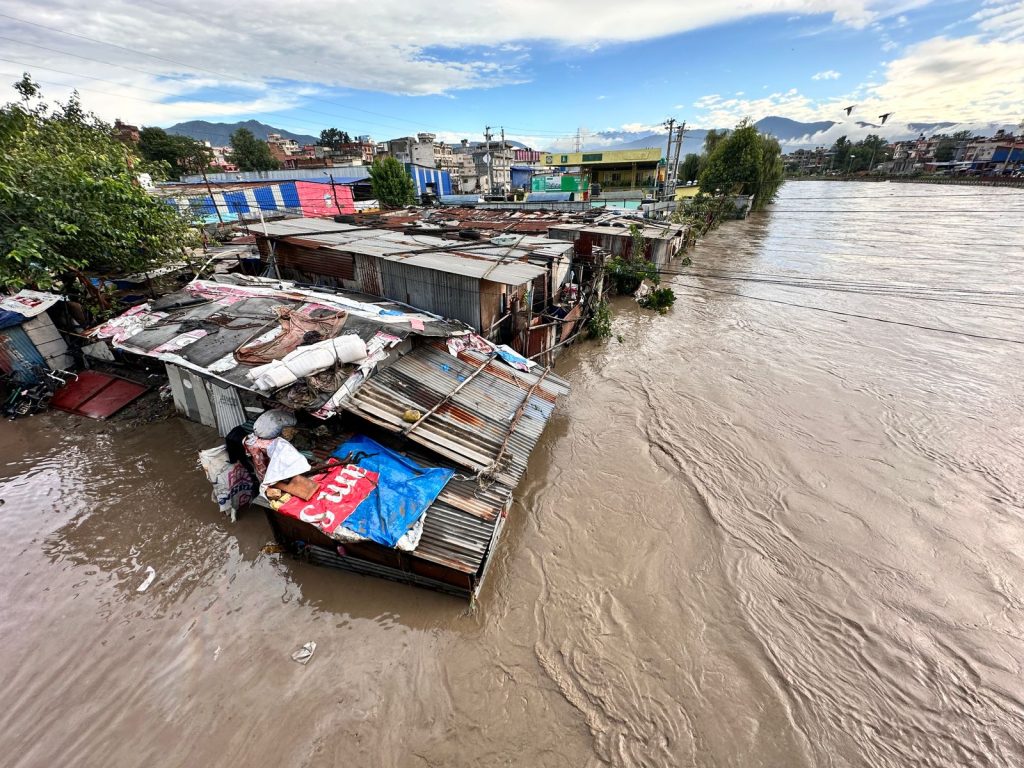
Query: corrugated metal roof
[459, 525]
[499, 264]
[472, 427]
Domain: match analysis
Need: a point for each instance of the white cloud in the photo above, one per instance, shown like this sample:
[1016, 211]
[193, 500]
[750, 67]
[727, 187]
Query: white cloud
[643, 128]
[390, 46]
[967, 79]
[274, 62]
[722, 111]
[1001, 19]
[828, 74]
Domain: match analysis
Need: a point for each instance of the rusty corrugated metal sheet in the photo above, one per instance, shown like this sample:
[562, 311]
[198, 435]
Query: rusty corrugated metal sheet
[473, 425]
[309, 264]
[368, 276]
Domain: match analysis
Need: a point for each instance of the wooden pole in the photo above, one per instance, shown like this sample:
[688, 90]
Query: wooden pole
[405, 432]
[491, 470]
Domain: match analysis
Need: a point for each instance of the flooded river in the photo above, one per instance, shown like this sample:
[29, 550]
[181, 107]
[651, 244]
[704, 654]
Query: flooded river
[766, 531]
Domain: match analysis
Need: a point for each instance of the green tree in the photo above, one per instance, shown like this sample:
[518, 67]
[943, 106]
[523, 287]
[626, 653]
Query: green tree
[691, 167]
[841, 153]
[333, 138]
[251, 154]
[70, 201]
[746, 163]
[392, 185]
[712, 139]
[945, 150]
[183, 154]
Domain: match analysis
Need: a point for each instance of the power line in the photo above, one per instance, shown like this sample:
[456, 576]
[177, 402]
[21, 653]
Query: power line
[769, 276]
[893, 211]
[863, 317]
[860, 291]
[150, 101]
[221, 75]
[881, 198]
[877, 241]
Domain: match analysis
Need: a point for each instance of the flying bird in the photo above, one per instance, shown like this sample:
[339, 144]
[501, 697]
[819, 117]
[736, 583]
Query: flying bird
[849, 109]
[885, 117]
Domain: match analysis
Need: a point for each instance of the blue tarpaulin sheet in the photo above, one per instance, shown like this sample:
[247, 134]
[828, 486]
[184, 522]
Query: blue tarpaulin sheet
[10, 319]
[403, 493]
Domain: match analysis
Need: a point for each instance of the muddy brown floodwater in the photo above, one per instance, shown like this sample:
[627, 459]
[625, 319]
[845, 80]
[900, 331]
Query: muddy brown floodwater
[759, 534]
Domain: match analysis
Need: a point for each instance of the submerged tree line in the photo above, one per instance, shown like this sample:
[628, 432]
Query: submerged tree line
[737, 163]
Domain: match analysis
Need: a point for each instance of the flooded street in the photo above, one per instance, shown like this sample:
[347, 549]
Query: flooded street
[782, 525]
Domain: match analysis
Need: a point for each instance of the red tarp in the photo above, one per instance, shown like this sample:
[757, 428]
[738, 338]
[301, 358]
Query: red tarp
[96, 395]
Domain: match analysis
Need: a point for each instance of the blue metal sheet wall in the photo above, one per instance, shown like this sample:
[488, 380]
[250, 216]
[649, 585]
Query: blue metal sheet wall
[236, 202]
[202, 206]
[421, 177]
[18, 355]
[265, 198]
[290, 195]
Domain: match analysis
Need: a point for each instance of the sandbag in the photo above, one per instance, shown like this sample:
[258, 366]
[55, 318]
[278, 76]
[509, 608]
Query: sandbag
[349, 348]
[285, 463]
[270, 423]
[306, 361]
[272, 376]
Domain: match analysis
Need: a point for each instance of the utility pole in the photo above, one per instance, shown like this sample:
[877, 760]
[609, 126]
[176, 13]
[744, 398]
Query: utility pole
[679, 146]
[504, 189]
[490, 161]
[670, 124]
[213, 200]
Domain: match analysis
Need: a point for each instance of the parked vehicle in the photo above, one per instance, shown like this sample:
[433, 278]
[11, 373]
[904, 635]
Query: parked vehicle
[32, 394]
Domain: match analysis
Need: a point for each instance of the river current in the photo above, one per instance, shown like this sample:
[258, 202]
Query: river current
[782, 525]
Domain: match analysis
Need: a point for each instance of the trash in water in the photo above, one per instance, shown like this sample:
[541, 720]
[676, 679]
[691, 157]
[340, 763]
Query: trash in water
[305, 653]
[150, 578]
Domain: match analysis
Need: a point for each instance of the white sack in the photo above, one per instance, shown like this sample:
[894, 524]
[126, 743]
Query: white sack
[285, 463]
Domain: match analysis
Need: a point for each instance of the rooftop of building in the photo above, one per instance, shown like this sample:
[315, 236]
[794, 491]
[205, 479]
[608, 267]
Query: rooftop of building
[501, 263]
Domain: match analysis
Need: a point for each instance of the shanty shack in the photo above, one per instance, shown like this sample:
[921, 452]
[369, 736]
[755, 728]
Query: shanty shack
[480, 282]
[397, 458]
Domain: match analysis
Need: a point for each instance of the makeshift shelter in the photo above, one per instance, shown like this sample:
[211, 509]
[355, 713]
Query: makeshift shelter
[28, 338]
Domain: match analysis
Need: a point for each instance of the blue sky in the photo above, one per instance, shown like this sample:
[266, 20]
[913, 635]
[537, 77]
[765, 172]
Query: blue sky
[541, 69]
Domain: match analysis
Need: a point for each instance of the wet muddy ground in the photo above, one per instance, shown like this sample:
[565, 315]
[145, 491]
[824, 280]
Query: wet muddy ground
[764, 531]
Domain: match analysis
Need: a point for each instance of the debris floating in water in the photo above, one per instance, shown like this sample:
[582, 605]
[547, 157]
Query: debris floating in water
[150, 578]
[305, 653]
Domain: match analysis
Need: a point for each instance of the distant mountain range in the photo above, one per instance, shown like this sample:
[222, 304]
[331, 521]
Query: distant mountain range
[792, 134]
[219, 134]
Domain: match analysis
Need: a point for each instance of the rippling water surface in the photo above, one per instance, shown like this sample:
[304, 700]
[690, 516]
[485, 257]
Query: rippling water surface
[765, 531]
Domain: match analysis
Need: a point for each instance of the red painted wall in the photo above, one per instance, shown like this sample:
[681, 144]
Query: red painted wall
[318, 199]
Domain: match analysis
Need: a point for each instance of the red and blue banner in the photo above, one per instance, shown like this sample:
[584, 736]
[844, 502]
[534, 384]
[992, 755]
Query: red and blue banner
[373, 492]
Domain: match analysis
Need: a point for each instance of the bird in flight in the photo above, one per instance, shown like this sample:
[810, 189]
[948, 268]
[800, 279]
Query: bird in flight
[885, 117]
[849, 109]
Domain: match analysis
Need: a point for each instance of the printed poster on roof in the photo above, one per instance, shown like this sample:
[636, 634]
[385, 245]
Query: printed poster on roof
[29, 303]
